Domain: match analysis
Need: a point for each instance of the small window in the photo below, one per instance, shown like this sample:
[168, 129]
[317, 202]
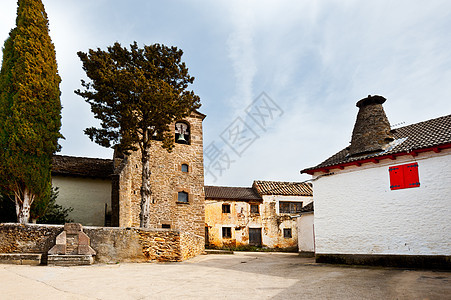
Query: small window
[226, 232]
[165, 225]
[287, 233]
[182, 197]
[254, 209]
[182, 134]
[286, 207]
[184, 168]
[404, 176]
[226, 208]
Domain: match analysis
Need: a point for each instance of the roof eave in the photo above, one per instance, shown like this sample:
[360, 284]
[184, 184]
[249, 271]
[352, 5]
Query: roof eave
[376, 159]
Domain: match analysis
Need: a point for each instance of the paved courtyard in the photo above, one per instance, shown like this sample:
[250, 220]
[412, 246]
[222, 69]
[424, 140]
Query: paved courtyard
[238, 276]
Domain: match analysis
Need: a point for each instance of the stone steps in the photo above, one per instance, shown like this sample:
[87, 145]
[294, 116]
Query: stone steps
[70, 260]
[33, 259]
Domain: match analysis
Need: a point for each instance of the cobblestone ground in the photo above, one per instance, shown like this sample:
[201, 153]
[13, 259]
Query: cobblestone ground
[238, 276]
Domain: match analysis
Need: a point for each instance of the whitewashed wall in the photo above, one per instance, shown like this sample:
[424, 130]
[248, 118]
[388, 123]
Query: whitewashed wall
[357, 213]
[86, 196]
[273, 223]
[306, 238]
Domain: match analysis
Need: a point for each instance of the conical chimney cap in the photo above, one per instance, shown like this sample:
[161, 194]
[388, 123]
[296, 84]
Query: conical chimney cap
[372, 129]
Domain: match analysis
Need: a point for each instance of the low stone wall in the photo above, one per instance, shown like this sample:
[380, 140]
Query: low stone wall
[112, 244]
[191, 245]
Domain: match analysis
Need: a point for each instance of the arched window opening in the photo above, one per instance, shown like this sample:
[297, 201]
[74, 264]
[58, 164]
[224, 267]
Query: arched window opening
[182, 133]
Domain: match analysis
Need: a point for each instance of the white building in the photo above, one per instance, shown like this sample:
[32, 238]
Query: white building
[386, 199]
[85, 185]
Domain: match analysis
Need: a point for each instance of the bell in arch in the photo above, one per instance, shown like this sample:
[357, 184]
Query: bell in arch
[181, 138]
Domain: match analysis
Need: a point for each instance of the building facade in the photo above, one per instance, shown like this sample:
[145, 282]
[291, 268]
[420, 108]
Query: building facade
[85, 185]
[177, 182]
[385, 199]
[262, 215]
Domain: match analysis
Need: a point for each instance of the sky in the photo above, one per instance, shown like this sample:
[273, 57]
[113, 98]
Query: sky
[278, 80]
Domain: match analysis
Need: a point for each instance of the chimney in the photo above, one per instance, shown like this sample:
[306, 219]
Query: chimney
[372, 129]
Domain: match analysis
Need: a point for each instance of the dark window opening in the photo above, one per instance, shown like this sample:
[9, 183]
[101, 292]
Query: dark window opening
[184, 168]
[287, 233]
[182, 133]
[226, 208]
[165, 225]
[182, 197]
[226, 232]
[286, 207]
[254, 209]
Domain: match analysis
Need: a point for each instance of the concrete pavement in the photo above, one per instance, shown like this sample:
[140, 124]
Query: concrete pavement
[238, 276]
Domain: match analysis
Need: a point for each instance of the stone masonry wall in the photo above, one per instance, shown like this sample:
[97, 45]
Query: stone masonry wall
[167, 180]
[110, 244]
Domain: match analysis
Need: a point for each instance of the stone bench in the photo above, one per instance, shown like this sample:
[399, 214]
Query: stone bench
[33, 259]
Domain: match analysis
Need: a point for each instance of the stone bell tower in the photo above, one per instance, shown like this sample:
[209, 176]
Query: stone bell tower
[177, 182]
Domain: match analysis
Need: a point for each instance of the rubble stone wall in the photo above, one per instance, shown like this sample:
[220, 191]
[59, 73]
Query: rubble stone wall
[111, 244]
[167, 179]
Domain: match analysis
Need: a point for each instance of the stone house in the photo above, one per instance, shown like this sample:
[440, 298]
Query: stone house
[261, 215]
[385, 199]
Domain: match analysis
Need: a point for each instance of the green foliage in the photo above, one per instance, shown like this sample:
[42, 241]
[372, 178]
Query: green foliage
[30, 108]
[51, 213]
[54, 213]
[136, 94]
[7, 209]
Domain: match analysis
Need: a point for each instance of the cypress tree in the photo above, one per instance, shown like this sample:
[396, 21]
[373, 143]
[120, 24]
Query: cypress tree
[30, 110]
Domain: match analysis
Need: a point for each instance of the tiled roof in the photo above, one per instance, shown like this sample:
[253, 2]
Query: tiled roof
[427, 134]
[82, 166]
[231, 193]
[283, 188]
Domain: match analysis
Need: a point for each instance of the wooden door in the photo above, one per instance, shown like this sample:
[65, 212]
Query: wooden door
[255, 236]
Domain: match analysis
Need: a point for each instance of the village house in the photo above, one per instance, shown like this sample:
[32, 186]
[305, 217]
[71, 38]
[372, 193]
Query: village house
[105, 192]
[385, 199]
[85, 185]
[262, 215]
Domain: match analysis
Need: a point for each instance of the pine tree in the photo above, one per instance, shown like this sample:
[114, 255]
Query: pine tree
[137, 94]
[30, 109]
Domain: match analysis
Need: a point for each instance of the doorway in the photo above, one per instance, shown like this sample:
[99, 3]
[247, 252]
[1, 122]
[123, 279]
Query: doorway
[255, 237]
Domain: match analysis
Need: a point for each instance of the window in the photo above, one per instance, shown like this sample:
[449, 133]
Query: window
[184, 168]
[404, 176]
[165, 225]
[287, 233]
[286, 207]
[182, 197]
[254, 209]
[226, 208]
[226, 232]
[182, 134]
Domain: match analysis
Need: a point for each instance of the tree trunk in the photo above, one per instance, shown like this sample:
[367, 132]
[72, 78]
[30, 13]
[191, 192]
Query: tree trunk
[23, 207]
[146, 191]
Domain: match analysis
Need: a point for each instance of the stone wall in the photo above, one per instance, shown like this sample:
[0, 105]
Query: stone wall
[167, 180]
[111, 244]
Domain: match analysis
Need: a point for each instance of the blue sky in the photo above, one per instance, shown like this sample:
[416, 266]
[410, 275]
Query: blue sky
[313, 59]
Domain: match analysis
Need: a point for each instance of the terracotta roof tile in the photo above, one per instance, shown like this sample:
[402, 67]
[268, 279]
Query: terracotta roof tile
[231, 193]
[417, 136]
[283, 188]
[82, 166]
